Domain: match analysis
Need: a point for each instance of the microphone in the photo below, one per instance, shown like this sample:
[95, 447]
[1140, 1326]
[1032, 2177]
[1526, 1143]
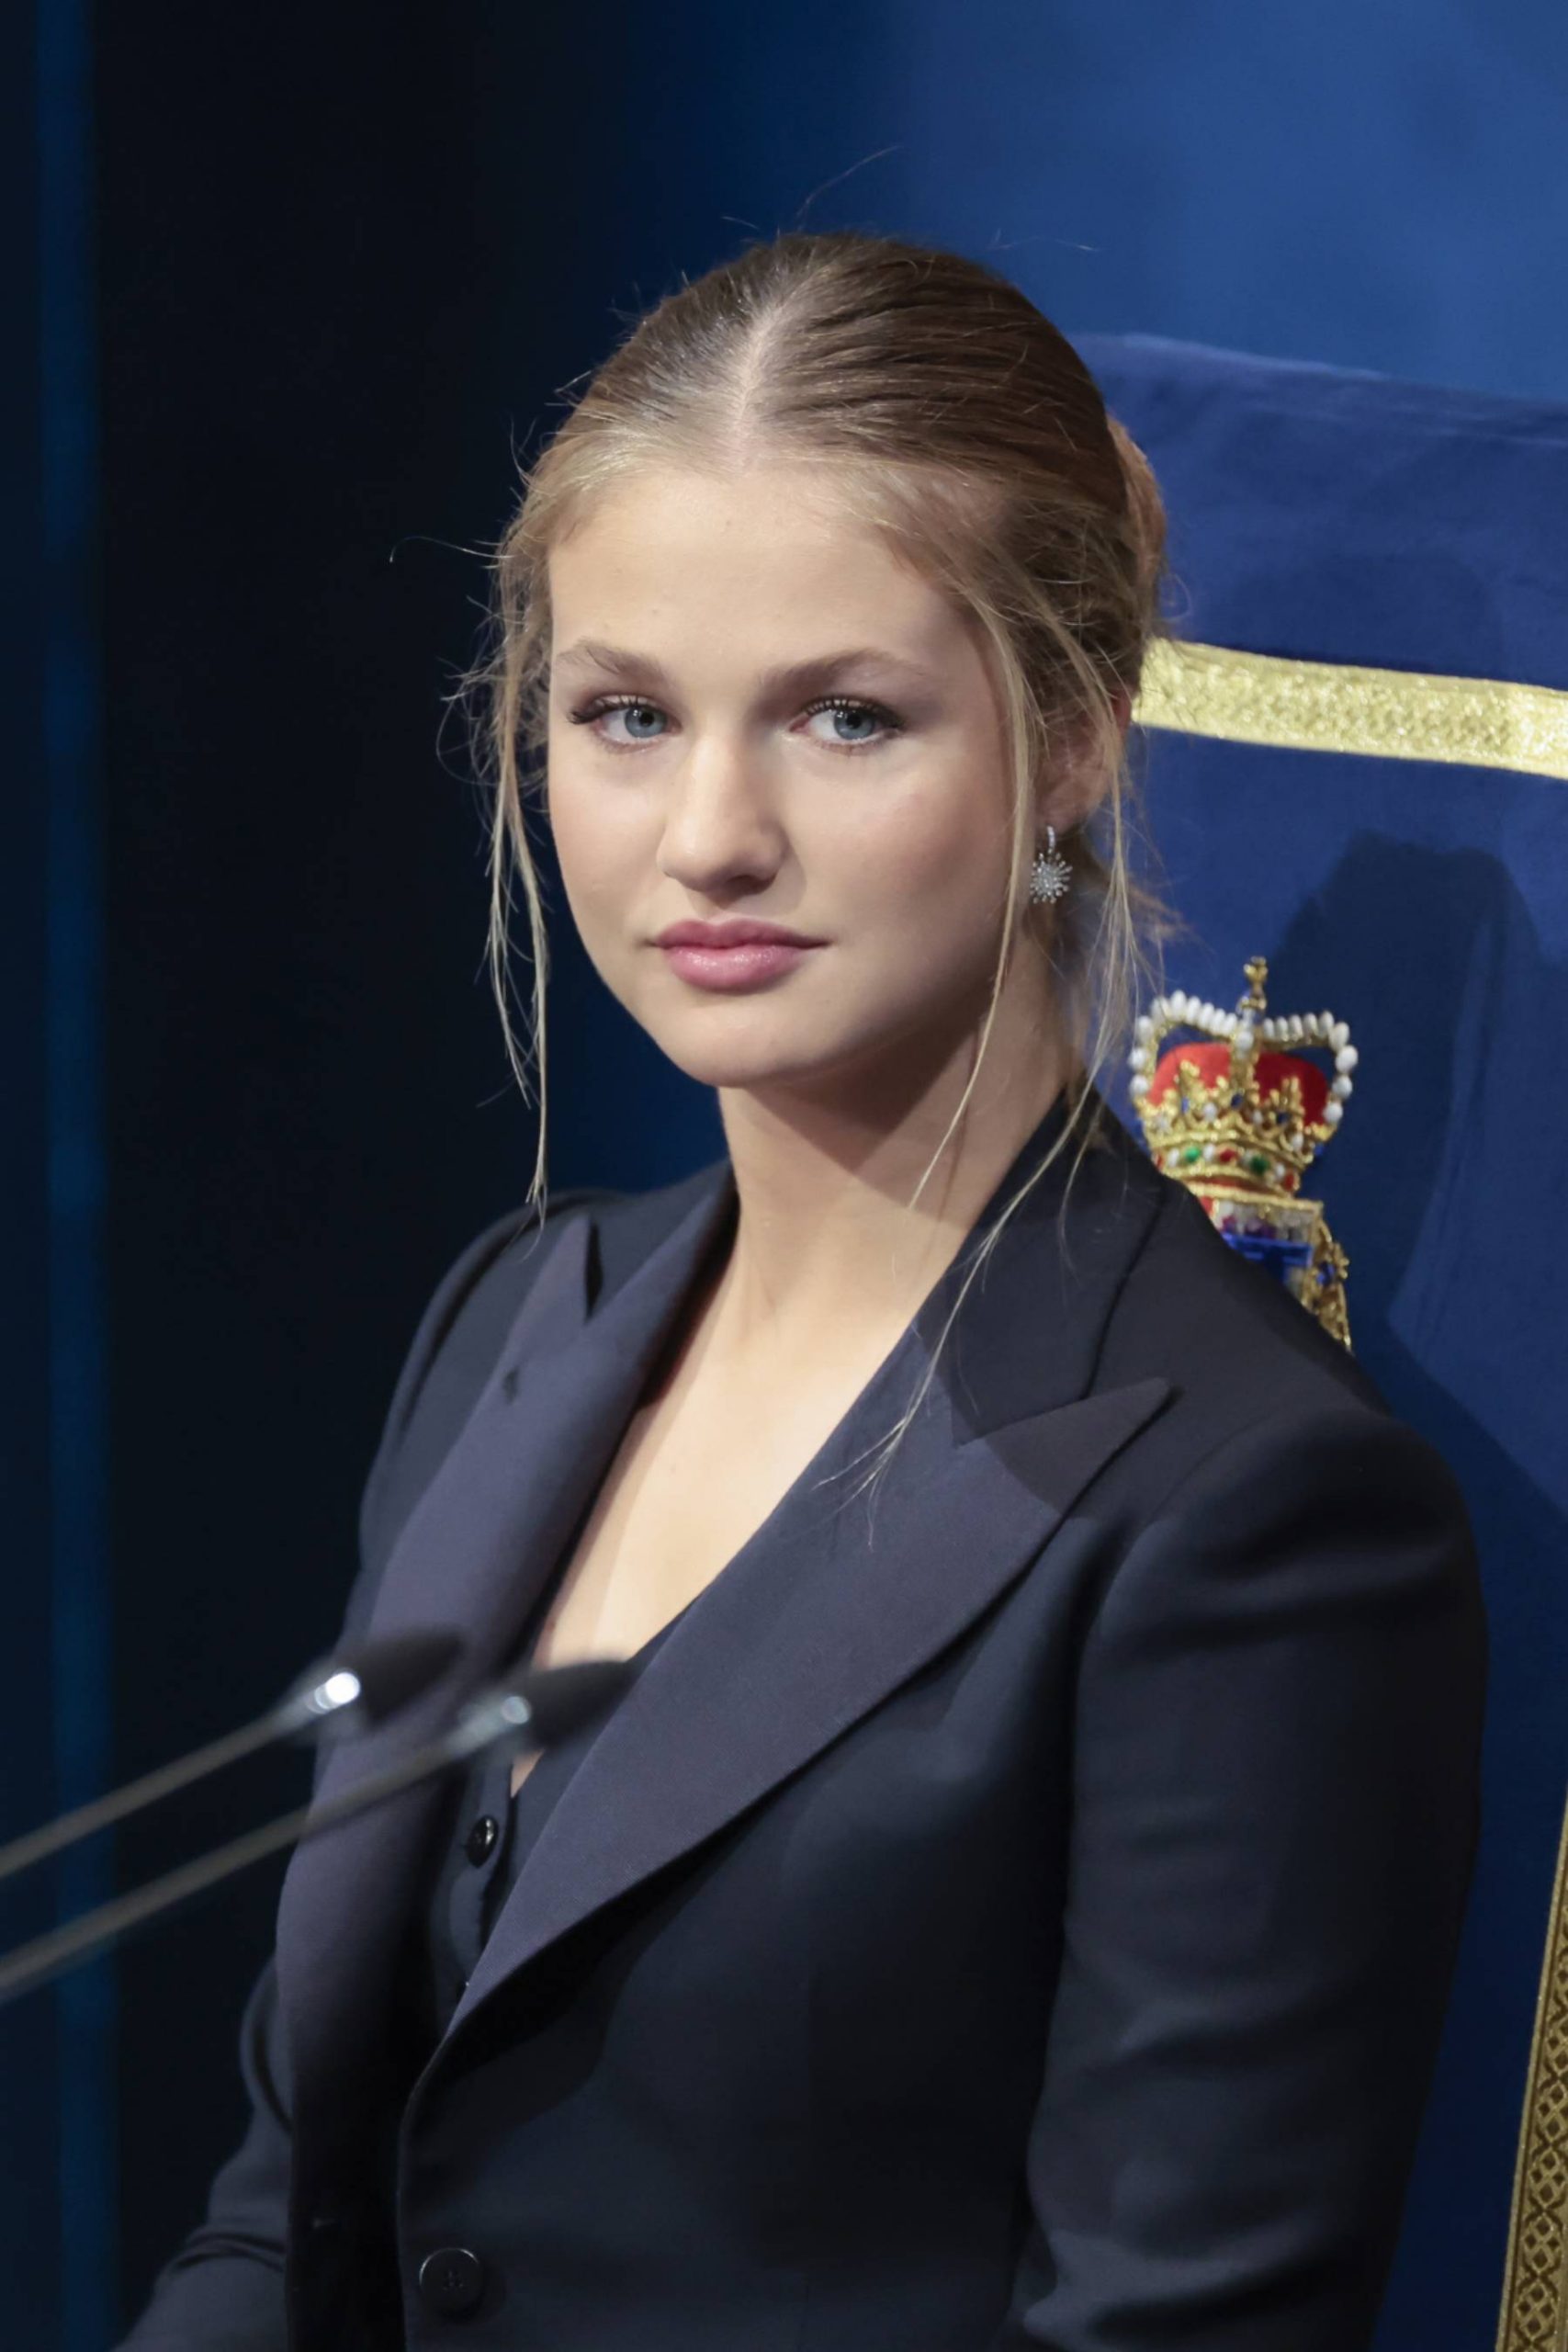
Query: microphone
[538, 1708]
[385, 1676]
[356, 1688]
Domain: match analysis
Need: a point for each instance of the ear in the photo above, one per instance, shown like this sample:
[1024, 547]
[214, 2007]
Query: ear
[1077, 782]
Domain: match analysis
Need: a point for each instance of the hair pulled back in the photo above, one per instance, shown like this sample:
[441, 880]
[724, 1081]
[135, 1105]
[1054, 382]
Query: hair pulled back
[948, 414]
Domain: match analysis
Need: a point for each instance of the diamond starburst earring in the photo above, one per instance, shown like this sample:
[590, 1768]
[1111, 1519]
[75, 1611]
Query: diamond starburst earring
[1050, 876]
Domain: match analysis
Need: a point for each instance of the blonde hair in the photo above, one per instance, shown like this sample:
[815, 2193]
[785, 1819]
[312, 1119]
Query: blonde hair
[949, 415]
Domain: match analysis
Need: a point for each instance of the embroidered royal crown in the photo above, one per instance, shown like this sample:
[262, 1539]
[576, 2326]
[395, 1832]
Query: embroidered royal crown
[1240, 1118]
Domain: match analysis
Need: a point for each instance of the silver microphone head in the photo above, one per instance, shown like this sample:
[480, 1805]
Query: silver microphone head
[540, 1705]
[365, 1682]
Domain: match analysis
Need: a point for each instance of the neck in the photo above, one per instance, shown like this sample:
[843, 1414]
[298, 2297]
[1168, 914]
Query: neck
[827, 1242]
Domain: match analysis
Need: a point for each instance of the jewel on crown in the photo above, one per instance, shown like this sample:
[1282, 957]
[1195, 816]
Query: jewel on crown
[1240, 1117]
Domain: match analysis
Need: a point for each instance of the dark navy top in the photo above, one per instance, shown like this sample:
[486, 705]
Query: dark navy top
[488, 1837]
[479, 1848]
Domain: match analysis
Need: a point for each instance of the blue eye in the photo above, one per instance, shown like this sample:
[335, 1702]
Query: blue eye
[634, 707]
[851, 708]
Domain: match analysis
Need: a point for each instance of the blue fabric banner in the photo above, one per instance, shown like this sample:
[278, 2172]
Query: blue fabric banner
[1336, 518]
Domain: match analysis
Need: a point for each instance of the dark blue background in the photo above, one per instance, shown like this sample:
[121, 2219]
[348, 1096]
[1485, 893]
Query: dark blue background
[292, 281]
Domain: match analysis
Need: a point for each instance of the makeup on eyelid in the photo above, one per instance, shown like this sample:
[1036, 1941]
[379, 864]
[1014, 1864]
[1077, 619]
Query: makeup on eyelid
[889, 722]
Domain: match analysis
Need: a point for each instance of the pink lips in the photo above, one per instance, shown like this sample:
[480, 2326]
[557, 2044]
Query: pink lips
[734, 954]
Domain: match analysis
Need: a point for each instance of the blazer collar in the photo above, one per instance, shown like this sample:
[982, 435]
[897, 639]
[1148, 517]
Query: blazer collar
[835, 1600]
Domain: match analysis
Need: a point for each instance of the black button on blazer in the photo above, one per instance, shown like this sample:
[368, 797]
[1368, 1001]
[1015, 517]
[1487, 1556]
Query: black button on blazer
[1016, 1906]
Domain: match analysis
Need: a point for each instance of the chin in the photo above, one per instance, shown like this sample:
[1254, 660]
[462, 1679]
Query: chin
[797, 1055]
[713, 1063]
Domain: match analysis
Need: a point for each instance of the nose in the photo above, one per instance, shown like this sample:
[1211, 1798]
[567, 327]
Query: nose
[720, 826]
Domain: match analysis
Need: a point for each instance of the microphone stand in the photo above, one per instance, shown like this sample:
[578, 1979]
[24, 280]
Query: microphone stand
[356, 1688]
[547, 1704]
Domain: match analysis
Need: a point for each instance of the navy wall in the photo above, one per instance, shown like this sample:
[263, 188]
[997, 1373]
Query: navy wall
[57, 2089]
[27, 2057]
[343, 259]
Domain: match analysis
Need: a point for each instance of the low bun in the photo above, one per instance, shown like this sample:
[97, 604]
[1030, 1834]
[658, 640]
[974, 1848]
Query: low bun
[1146, 527]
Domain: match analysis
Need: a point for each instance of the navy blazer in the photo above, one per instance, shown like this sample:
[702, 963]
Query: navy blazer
[1016, 1907]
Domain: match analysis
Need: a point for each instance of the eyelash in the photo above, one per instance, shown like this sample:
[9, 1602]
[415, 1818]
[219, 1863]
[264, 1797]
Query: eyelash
[890, 724]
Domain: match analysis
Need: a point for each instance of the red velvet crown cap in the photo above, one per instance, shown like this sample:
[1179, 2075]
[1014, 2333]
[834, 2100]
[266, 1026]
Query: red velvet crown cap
[1213, 1064]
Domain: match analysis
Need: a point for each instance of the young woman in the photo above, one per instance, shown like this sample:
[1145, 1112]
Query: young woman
[1015, 1900]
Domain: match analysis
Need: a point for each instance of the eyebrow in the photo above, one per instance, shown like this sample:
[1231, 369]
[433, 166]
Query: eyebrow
[818, 669]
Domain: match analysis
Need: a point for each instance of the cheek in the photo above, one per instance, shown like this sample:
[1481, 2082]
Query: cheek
[599, 845]
[932, 849]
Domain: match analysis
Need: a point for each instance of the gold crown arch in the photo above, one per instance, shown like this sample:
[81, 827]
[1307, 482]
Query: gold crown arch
[1239, 1120]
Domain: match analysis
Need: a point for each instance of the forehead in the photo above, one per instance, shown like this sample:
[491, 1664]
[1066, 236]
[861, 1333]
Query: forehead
[765, 497]
[766, 548]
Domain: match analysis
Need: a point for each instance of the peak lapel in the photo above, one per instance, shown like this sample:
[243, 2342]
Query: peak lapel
[476, 1550]
[839, 1598]
[821, 1615]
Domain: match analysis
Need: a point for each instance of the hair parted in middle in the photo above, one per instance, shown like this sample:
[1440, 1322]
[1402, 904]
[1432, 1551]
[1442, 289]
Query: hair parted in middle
[945, 412]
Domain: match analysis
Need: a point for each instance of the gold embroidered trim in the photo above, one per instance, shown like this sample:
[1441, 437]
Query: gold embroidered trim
[1331, 707]
[1534, 2315]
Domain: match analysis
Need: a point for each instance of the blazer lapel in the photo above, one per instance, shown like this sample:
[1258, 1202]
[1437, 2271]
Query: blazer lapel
[839, 1597]
[473, 1554]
